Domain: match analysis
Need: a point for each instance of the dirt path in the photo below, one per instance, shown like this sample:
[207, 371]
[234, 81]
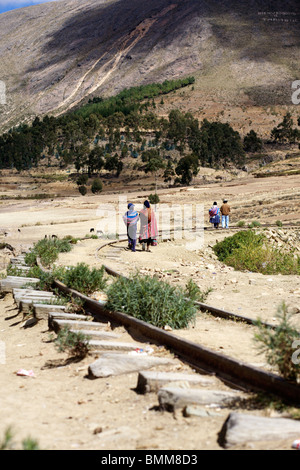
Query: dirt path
[60, 407]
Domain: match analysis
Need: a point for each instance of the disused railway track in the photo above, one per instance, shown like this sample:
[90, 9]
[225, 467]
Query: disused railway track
[217, 312]
[235, 372]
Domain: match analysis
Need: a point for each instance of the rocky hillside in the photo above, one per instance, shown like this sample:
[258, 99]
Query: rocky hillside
[244, 56]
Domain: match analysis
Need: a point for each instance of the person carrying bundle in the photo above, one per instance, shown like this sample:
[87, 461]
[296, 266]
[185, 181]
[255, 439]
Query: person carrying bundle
[148, 229]
[214, 215]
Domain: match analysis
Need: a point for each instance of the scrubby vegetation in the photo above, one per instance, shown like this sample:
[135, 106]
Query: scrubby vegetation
[7, 442]
[151, 300]
[279, 344]
[76, 344]
[82, 278]
[194, 292]
[129, 99]
[153, 198]
[47, 250]
[247, 250]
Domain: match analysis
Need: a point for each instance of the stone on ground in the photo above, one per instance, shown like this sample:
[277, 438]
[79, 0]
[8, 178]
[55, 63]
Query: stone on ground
[152, 381]
[241, 428]
[111, 364]
[172, 398]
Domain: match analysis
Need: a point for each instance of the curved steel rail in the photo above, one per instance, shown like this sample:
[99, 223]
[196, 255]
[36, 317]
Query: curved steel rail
[217, 312]
[237, 373]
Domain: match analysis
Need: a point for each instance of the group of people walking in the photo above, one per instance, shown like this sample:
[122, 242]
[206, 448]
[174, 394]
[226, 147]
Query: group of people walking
[217, 215]
[148, 226]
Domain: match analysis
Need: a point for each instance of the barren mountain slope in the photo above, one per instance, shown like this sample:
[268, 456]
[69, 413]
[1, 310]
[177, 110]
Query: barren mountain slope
[56, 54]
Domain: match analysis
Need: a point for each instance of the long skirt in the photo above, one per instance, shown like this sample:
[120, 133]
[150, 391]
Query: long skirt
[215, 219]
[132, 236]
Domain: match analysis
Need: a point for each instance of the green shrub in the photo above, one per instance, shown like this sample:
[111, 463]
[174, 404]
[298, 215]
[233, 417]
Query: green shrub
[82, 189]
[254, 223]
[194, 292]
[249, 251]
[152, 301]
[6, 442]
[97, 186]
[277, 344]
[241, 239]
[154, 198]
[265, 260]
[46, 279]
[30, 258]
[30, 444]
[63, 245]
[75, 343]
[60, 300]
[83, 279]
[82, 180]
[47, 250]
[47, 253]
[241, 223]
[278, 223]
[12, 270]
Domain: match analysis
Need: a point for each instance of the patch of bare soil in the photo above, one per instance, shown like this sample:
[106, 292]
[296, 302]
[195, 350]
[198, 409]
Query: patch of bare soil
[60, 406]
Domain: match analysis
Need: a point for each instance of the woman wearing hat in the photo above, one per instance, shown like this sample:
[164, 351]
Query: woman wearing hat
[148, 229]
[131, 219]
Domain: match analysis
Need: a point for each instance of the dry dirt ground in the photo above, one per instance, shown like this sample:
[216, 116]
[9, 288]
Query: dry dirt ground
[60, 407]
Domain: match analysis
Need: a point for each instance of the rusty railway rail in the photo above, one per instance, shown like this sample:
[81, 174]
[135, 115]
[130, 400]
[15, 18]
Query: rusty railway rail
[234, 372]
[217, 312]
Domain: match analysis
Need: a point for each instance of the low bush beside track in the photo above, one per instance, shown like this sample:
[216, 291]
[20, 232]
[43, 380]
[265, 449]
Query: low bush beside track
[251, 251]
[151, 300]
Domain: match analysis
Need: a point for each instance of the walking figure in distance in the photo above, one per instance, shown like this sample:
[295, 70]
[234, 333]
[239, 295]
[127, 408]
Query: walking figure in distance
[225, 211]
[148, 228]
[131, 218]
[214, 215]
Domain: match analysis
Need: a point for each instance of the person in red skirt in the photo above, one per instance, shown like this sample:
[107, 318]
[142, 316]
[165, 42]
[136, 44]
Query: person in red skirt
[148, 228]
